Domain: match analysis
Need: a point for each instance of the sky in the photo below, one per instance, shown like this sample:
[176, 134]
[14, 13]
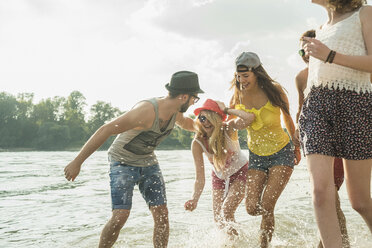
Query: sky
[123, 51]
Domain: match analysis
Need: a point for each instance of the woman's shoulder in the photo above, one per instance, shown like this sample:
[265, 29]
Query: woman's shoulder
[197, 144]
[365, 12]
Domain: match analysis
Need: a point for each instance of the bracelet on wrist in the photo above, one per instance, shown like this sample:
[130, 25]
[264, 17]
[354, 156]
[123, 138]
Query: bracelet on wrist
[330, 57]
[329, 54]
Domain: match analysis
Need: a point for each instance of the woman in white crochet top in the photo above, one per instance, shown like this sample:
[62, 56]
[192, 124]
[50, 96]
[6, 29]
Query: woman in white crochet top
[336, 119]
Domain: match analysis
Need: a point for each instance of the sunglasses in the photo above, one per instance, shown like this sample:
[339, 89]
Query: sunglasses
[202, 118]
[196, 99]
[301, 52]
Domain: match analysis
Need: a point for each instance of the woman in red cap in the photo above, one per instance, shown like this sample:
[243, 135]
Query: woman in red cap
[271, 157]
[218, 140]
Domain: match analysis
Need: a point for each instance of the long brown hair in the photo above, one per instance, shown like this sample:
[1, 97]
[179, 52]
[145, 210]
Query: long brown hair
[267, 84]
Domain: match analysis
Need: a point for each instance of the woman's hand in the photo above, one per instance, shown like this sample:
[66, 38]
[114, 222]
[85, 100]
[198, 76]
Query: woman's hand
[296, 138]
[316, 48]
[297, 152]
[190, 205]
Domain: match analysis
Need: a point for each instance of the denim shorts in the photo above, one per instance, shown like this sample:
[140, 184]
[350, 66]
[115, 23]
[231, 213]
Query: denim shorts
[285, 157]
[124, 177]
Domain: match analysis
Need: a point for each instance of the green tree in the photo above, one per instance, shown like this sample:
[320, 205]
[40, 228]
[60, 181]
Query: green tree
[16, 130]
[52, 136]
[24, 105]
[74, 118]
[48, 110]
[26, 129]
[8, 108]
[102, 112]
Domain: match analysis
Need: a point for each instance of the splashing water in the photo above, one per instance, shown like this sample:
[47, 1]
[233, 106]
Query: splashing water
[40, 208]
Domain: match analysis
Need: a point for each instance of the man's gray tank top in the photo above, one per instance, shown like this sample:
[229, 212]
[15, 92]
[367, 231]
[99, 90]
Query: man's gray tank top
[136, 147]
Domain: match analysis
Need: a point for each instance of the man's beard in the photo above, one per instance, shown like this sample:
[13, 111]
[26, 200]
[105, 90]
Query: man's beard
[184, 107]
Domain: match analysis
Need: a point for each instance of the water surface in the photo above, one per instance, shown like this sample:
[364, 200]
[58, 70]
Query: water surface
[39, 208]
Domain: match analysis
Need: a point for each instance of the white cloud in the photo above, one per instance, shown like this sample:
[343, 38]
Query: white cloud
[124, 51]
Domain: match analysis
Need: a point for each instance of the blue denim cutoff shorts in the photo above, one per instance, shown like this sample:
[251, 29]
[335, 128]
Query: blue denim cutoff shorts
[283, 157]
[124, 177]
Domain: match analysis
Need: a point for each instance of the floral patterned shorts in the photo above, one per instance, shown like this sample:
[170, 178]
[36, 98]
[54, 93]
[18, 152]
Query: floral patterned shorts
[337, 123]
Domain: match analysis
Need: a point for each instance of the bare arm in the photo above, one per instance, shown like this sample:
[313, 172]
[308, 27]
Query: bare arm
[133, 119]
[291, 128]
[243, 121]
[185, 122]
[361, 63]
[197, 153]
[288, 119]
[301, 82]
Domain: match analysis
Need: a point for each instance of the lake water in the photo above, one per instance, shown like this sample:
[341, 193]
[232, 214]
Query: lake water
[39, 208]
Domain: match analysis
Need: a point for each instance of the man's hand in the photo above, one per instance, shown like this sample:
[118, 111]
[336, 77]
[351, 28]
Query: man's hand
[190, 205]
[72, 170]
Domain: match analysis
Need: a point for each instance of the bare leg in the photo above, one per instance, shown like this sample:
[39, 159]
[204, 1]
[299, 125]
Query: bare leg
[112, 228]
[342, 223]
[161, 226]
[321, 174]
[231, 203]
[277, 180]
[358, 183]
[217, 205]
[255, 184]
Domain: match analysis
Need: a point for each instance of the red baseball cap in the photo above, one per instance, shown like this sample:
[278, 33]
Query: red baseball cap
[211, 105]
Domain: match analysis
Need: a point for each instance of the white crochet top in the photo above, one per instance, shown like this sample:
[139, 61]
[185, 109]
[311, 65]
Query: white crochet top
[345, 37]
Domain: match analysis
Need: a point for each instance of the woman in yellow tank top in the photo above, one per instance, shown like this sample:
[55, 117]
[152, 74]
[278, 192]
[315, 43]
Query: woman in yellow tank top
[271, 158]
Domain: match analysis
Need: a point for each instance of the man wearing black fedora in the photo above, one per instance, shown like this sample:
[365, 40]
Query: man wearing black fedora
[132, 158]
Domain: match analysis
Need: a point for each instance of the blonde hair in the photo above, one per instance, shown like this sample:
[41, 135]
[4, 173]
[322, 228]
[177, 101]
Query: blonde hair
[217, 141]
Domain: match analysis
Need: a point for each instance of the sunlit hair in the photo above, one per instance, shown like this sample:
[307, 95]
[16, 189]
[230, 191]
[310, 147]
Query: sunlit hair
[267, 84]
[308, 33]
[344, 6]
[217, 141]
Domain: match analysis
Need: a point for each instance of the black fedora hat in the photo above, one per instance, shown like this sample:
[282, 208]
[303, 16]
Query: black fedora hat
[184, 82]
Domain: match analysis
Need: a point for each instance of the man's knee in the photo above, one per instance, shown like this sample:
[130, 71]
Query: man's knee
[160, 214]
[119, 217]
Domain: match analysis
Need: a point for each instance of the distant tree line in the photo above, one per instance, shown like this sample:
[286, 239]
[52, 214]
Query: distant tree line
[60, 123]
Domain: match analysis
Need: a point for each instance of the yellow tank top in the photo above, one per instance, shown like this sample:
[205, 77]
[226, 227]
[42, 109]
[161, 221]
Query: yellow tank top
[265, 135]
